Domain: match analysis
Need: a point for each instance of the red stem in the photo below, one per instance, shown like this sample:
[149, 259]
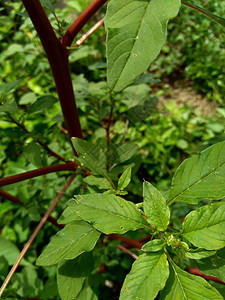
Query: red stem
[42, 171]
[197, 272]
[58, 61]
[127, 241]
[6, 195]
[81, 20]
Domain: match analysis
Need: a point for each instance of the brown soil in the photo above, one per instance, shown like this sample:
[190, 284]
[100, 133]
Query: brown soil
[182, 92]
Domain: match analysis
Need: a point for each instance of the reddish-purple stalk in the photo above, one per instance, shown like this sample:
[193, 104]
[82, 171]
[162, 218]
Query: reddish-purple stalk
[10, 197]
[58, 60]
[81, 20]
[38, 172]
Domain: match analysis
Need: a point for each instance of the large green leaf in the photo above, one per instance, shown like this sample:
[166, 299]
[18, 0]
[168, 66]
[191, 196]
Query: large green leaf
[74, 239]
[68, 216]
[136, 32]
[71, 275]
[201, 176]
[214, 265]
[108, 213]
[205, 227]
[155, 207]
[146, 278]
[182, 285]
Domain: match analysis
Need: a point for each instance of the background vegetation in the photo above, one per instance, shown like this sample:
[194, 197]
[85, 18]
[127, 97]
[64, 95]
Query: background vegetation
[155, 144]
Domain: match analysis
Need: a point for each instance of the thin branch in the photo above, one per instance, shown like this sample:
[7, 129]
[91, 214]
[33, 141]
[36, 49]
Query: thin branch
[36, 140]
[12, 198]
[87, 34]
[197, 272]
[38, 172]
[81, 20]
[125, 240]
[58, 60]
[122, 248]
[34, 234]
[204, 12]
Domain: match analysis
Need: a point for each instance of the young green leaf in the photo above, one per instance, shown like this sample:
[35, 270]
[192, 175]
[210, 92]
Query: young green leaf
[182, 285]
[201, 176]
[124, 179]
[155, 207]
[101, 183]
[71, 275]
[91, 156]
[199, 253]
[74, 239]
[153, 246]
[205, 227]
[41, 104]
[146, 278]
[108, 213]
[136, 32]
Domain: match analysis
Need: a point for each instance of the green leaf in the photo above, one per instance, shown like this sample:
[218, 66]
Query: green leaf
[87, 294]
[199, 253]
[4, 268]
[121, 154]
[30, 285]
[200, 177]
[9, 106]
[91, 156]
[182, 285]
[124, 179]
[205, 227]
[68, 216]
[101, 183]
[10, 251]
[136, 32]
[48, 4]
[41, 104]
[214, 265]
[71, 275]
[32, 153]
[9, 87]
[154, 245]
[146, 278]
[155, 207]
[143, 110]
[217, 19]
[108, 213]
[74, 239]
